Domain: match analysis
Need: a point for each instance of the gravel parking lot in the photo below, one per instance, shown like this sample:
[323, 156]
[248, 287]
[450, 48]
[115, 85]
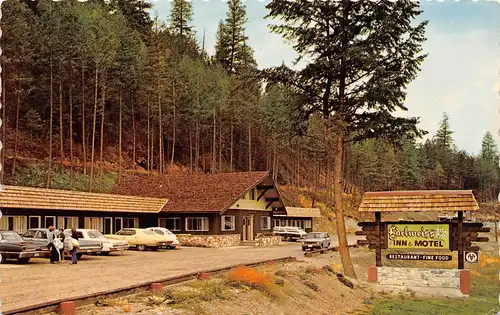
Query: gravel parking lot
[39, 281]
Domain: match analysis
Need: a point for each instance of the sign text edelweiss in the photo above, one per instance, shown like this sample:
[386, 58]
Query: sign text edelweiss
[418, 236]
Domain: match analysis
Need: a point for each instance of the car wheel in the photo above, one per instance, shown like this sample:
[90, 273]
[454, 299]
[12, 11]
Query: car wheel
[141, 247]
[105, 253]
[303, 249]
[171, 247]
[23, 260]
[79, 256]
[154, 249]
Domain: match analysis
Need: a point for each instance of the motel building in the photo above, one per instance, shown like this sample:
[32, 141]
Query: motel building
[225, 208]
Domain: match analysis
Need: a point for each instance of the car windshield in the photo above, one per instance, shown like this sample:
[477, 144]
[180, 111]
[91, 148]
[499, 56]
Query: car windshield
[95, 234]
[314, 235]
[149, 232]
[10, 237]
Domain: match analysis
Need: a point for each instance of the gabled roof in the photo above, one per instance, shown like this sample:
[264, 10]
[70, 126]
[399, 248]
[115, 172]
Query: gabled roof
[419, 201]
[54, 199]
[194, 192]
[296, 212]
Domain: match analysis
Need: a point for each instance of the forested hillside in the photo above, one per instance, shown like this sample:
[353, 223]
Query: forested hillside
[92, 89]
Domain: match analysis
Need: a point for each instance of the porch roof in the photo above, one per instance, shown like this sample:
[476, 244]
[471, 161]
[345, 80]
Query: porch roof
[19, 197]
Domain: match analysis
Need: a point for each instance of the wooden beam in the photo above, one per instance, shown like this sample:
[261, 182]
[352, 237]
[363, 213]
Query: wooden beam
[460, 240]
[262, 193]
[269, 203]
[265, 187]
[378, 254]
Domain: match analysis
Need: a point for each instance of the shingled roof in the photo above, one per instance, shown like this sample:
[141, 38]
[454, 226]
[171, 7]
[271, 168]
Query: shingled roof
[193, 192]
[419, 201]
[55, 199]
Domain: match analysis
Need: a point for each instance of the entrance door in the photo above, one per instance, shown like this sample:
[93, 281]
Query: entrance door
[108, 226]
[247, 228]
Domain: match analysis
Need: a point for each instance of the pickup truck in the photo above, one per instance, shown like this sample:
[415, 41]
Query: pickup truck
[12, 246]
[289, 233]
[39, 236]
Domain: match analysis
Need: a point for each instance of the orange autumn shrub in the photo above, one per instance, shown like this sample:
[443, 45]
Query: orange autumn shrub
[251, 277]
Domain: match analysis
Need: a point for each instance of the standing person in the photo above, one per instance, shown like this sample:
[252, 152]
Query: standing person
[74, 236]
[54, 252]
[61, 250]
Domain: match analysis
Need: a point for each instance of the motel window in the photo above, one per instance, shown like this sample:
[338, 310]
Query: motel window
[50, 221]
[265, 223]
[93, 223]
[172, 224]
[34, 222]
[67, 222]
[228, 223]
[252, 194]
[196, 224]
[130, 223]
[14, 223]
[308, 224]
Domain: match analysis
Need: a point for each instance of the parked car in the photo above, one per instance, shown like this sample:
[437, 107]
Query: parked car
[12, 246]
[169, 236]
[289, 232]
[39, 236]
[316, 240]
[108, 245]
[141, 239]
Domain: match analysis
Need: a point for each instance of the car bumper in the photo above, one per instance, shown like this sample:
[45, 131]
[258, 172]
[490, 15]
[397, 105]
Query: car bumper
[89, 250]
[311, 245]
[164, 244]
[117, 248]
[25, 254]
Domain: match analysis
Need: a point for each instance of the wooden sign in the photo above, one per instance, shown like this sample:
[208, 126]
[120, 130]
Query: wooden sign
[418, 257]
[409, 235]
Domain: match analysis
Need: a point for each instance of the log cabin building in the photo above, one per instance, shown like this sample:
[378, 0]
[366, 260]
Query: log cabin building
[242, 203]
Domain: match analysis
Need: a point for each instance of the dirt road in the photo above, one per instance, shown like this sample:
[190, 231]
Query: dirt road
[39, 281]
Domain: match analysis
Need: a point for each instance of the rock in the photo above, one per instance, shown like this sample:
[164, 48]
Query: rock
[280, 282]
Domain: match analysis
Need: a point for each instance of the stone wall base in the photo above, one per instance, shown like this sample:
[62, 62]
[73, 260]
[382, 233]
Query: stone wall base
[211, 241]
[451, 283]
[267, 240]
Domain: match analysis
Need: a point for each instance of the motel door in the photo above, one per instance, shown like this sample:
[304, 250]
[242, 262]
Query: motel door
[247, 228]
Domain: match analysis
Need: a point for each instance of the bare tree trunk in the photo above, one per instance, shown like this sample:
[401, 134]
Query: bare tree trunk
[120, 139]
[220, 143]
[18, 105]
[152, 147]
[197, 147]
[214, 141]
[149, 148]
[160, 134]
[84, 138]
[4, 122]
[93, 132]
[49, 172]
[191, 150]
[72, 157]
[231, 154]
[61, 130]
[134, 136]
[101, 146]
[173, 127]
[249, 147]
[339, 205]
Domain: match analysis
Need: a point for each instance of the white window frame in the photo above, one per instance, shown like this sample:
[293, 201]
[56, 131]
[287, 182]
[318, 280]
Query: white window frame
[20, 221]
[135, 224]
[223, 222]
[88, 223]
[177, 227]
[45, 221]
[204, 219]
[308, 224]
[268, 220]
[61, 222]
[39, 221]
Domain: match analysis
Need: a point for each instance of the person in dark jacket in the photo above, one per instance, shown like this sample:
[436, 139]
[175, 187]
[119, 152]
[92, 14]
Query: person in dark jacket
[74, 235]
[54, 255]
[61, 237]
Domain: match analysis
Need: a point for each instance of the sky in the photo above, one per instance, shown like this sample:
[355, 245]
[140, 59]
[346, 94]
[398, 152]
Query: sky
[460, 76]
